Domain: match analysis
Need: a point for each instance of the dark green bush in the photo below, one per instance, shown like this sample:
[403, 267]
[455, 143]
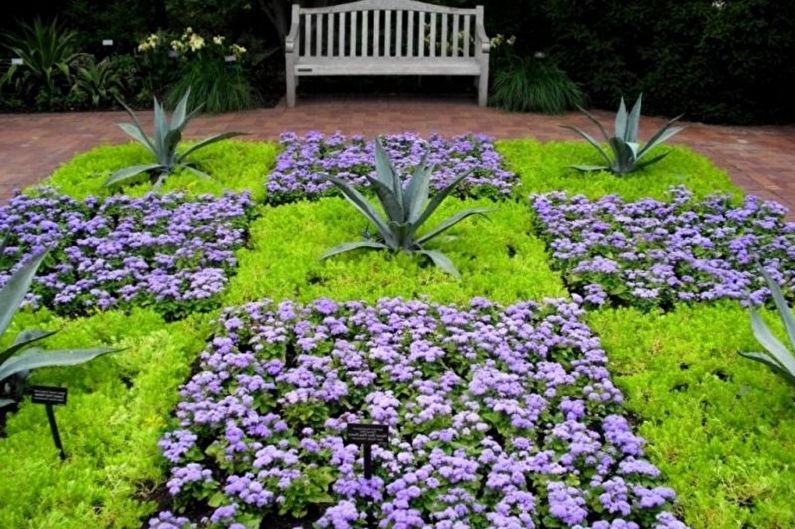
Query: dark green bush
[719, 61]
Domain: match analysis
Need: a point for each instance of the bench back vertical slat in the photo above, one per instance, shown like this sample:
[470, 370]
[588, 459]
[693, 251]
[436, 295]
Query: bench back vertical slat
[444, 34]
[399, 33]
[432, 44]
[341, 33]
[410, 36]
[319, 35]
[365, 32]
[330, 35]
[388, 33]
[455, 35]
[354, 26]
[376, 33]
[465, 45]
[308, 35]
[421, 34]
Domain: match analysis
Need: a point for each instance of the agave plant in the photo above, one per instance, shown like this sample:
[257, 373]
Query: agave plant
[163, 145]
[24, 355]
[776, 356]
[406, 210]
[626, 150]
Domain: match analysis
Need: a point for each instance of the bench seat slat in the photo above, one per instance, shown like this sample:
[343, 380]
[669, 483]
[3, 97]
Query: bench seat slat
[398, 66]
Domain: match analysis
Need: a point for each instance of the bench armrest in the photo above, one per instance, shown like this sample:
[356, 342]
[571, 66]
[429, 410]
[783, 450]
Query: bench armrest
[292, 36]
[482, 41]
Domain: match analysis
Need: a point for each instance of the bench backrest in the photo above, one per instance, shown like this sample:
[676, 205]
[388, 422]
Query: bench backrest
[387, 28]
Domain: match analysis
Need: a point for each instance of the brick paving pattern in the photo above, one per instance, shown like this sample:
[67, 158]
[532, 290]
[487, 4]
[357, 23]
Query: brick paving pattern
[760, 159]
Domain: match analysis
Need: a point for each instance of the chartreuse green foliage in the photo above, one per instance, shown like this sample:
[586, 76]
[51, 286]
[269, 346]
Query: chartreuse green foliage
[497, 258]
[162, 145]
[234, 165]
[118, 407]
[719, 427]
[544, 167]
[404, 211]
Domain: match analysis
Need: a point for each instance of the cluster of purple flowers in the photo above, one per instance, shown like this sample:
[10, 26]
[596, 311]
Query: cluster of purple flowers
[166, 251]
[304, 161]
[498, 418]
[651, 253]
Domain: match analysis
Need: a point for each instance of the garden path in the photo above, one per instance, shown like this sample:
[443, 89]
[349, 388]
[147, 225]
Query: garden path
[760, 159]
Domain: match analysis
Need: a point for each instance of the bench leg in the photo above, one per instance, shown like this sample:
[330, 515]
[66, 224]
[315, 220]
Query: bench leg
[483, 90]
[290, 80]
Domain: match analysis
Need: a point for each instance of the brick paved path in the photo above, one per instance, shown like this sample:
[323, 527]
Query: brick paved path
[760, 159]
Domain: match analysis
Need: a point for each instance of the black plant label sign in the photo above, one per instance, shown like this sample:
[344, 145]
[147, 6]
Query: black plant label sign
[368, 434]
[48, 395]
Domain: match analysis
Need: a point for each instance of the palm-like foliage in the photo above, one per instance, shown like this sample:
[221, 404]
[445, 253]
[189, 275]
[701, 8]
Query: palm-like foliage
[100, 82]
[163, 144]
[47, 52]
[24, 355]
[776, 356]
[405, 209]
[625, 148]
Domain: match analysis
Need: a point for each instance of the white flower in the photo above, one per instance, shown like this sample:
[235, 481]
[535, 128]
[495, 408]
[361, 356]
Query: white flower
[718, 4]
[218, 39]
[195, 42]
[511, 40]
[237, 50]
[177, 45]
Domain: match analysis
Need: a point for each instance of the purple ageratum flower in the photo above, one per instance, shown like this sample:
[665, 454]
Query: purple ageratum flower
[514, 402]
[168, 251]
[650, 253]
[304, 161]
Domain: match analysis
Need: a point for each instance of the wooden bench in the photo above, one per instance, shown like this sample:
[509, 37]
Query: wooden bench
[387, 37]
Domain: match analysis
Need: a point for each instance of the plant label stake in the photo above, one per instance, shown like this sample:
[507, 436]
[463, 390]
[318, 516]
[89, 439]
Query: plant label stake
[17, 61]
[50, 396]
[367, 435]
[107, 42]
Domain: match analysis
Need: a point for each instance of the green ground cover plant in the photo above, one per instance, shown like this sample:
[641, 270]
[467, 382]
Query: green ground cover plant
[544, 167]
[233, 165]
[720, 427]
[118, 407]
[496, 258]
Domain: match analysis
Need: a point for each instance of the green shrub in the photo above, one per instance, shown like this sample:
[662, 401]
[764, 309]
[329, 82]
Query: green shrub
[222, 87]
[719, 427]
[533, 85]
[544, 167]
[118, 407]
[497, 259]
[233, 165]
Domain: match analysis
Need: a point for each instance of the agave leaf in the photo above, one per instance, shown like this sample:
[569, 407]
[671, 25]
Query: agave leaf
[595, 121]
[665, 133]
[6, 402]
[417, 191]
[13, 292]
[138, 135]
[633, 122]
[592, 141]
[621, 121]
[178, 120]
[590, 168]
[624, 156]
[386, 172]
[784, 311]
[355, 245]
[36, 358]
[437, 199]
[364, 207]
[160, 131]
[122, 175]
[450, 222]
[207, 141]
[137, 124]
[442, 261]
[23, 340]
[656, 159]
[768, 340]
[387, 199]
[774, 366]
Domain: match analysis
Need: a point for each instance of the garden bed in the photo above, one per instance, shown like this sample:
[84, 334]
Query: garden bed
[480, 377]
